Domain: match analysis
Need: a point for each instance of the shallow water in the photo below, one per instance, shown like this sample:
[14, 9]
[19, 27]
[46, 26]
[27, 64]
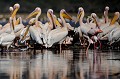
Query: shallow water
[69, 64]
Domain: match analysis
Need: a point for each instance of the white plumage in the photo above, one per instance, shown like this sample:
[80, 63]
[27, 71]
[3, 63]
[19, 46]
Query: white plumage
[7, 38]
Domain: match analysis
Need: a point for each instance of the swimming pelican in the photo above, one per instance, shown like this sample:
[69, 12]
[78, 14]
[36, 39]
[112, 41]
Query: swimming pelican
[58, 34]
[6, 39]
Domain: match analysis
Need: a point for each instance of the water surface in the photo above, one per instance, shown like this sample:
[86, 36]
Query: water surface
[67, 64]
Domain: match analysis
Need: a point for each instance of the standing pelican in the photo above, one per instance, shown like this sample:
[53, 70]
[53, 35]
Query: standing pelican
[8, 24]
[86, 28]
[25, 35]
[7, 38]
[6, 28]
[48, 26]
[106, 19]
[45, 28]
[108, 28]
[58, 34]
[35, 30]
[114, 35]
[18, 27]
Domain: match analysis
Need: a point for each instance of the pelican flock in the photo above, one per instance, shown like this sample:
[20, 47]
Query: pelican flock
[56, 29]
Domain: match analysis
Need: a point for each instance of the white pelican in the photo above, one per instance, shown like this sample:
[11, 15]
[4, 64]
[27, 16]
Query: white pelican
[85, 28]
[48, 26]
[106, 20]
[107, 28]
[6, 39]
[114, 35]
[8, 24]
[35, 30]
[25, 35]
[6, 28]
[58, 34]
[18, 27]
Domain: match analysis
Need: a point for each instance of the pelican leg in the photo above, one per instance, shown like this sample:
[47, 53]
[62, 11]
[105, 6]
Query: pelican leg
[100, 44]
[8, 48]
[61, 42]
[16, 42]
[60, 48]
[84, 43]
[87, 48]
[94, 46]
[82, 40]
[1, 50]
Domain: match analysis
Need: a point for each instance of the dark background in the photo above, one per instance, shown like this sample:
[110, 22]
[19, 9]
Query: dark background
[72, 6]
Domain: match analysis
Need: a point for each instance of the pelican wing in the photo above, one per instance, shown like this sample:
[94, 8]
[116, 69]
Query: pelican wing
[35, 35]
[106, 31]
[18, 27]
[55, 37]
[85, 29]
[7, 38]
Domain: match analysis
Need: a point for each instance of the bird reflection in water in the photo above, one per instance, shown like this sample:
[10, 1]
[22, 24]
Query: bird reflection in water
[51, 64]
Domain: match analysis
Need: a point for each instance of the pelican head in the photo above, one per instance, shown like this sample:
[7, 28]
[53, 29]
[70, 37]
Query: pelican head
[53, 17]
[80, 13]
[32, 21]
[16, 8]
[17, 5]
[11, 9]
[35, 12]
[64, 14]
[58, 21]
[106, 8]
[106, 14]
[94, 16]
[50, 13]
[115, 18]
